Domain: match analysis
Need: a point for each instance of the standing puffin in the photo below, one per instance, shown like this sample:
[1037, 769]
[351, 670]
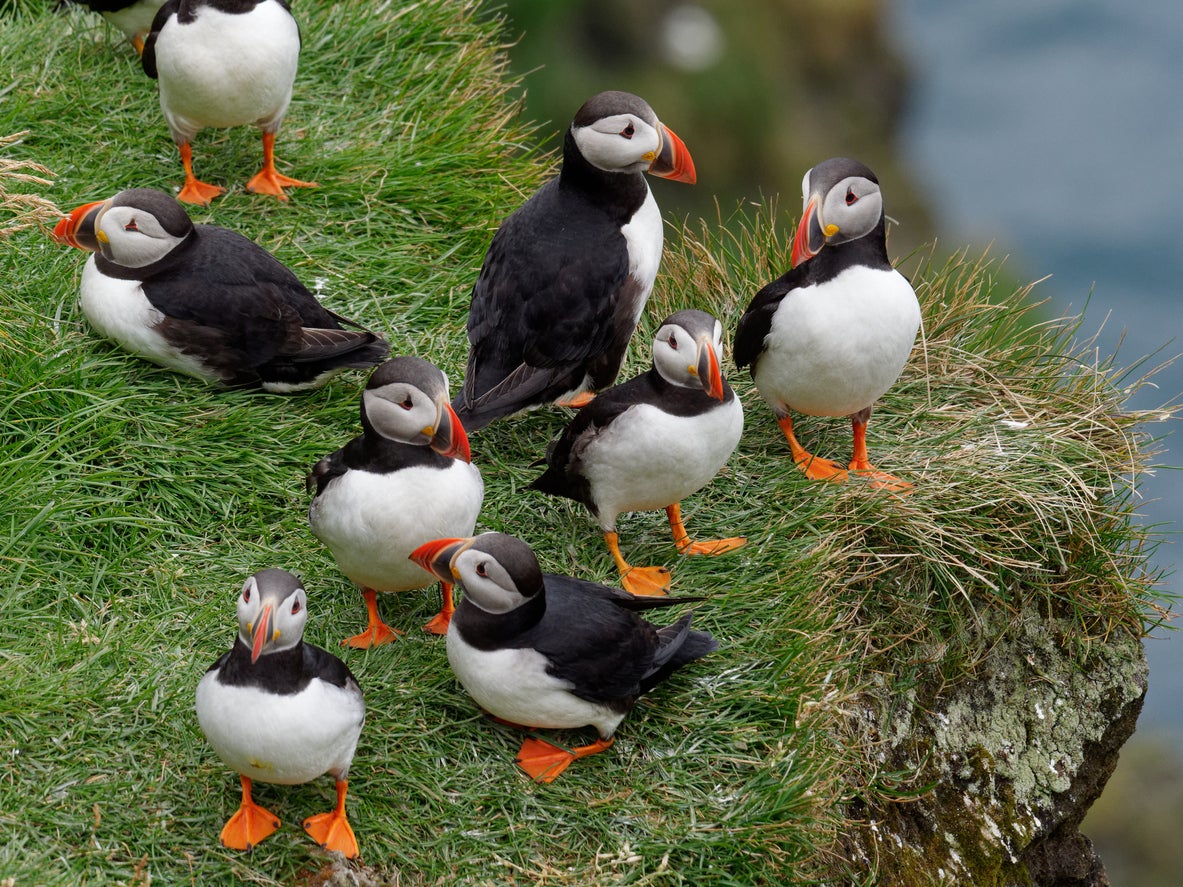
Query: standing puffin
[204, 300]
[651, 441]
[540, 650]
[225, 63]
[829, 337]
[132, 17]
[406, 480]
[568, 273]
[279, 710]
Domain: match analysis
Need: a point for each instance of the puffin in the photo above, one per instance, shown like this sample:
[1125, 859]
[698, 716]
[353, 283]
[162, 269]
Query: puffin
[651, 441]
[224, 63]
[568, 273]
[832, 334]
[132, 17]
[204, 300]
[277, 709]
[544, 651]
[407, 479]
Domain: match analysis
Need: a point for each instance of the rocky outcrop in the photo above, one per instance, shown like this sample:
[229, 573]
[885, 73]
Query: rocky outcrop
[1001, 767]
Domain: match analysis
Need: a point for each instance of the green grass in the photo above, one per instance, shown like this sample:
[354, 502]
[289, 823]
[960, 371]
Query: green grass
[136, 502]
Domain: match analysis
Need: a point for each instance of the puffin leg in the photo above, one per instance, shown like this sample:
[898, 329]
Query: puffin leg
[250, 824]
[269, 180]
[861, 463]
[194, 190]
[377, 632]
[814, 467]
[332, 830]
[543, 761]
[637, 580]
[686, 545]
[440, 622]
[579, 401]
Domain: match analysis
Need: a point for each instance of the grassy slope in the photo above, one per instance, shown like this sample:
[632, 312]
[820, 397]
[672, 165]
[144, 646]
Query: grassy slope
[137, 501]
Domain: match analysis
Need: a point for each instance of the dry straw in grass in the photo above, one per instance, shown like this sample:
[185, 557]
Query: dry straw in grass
[22, 210]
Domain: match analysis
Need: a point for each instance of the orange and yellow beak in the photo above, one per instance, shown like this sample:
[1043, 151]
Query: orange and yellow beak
[77, 229]
[673, 160]
[448, 438]
[262, 631]
[811, 234]
[436, 556]
[707, 370]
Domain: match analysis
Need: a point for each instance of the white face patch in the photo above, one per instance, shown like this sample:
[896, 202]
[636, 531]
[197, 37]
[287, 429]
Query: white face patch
[132, 238]
[619, 143]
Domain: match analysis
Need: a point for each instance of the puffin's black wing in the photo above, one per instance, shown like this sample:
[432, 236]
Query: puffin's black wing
[148, 56]
[543, 304]
[756, 321]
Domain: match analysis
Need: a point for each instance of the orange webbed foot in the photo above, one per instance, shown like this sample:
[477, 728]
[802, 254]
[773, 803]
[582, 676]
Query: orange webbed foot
[579, 401]
[250, 824]
[270, 181]
[333, 832]
[438, 624]
[817, 468]
[650, 581]
[373, 636]
[881, 480]
[543, 762]
[196, 191]
[712, 547]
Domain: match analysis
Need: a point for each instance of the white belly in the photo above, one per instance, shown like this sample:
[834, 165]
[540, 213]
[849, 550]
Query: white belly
[372, 522]
[514, 686]
[282, 739]
[835, 349]
[227, 70]
[119, 310]
[649, 459]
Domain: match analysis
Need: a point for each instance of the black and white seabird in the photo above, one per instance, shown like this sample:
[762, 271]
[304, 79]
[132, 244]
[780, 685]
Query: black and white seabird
[568, 273]
[829, 337]
[225, 63]
[652, 441]
[204, 300]
[279, 710]
[546, 651]
[406, 480]
[132, 17]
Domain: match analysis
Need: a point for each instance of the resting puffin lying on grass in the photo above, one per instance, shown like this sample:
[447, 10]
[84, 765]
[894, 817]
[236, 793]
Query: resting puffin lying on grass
[652, 441]
[568, 273]
[829, 337]
[279, 710]
[546, 651]
[204, 300]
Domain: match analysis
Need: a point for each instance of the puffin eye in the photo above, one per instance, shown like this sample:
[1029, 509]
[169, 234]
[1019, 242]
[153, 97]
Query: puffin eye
[628, 131]
[131, 226]
[673, 341]
[480, 569]
[851, 197]
[295, 606]
[246, 594]
[407, 403]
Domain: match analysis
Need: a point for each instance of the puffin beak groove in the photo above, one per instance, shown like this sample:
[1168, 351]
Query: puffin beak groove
[449, 438]
[673, 160]
[810, 236]
[262, 629]
[436, 556]
[77, 229]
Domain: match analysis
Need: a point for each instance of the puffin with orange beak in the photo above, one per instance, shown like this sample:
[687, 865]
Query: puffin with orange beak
[206, 301]
[568, 273]
[652, 441]
[407, 479]
[280, 710]
[544, 651]
[830, 336]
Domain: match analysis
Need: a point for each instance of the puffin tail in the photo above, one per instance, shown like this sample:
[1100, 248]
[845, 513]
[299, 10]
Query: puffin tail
[680, 645]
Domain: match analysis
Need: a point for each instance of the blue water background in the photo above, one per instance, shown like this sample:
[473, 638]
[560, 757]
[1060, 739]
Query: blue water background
[1054, 130]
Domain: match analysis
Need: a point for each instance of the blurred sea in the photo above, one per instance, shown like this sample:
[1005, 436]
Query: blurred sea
[1054, 130]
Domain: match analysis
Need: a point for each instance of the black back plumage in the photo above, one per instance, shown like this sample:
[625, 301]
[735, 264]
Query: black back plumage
[548, 292]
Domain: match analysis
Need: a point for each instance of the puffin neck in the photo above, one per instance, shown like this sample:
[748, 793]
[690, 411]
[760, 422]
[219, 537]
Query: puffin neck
[278, 672]
[621, 194]
[494, 631]
[870, 250]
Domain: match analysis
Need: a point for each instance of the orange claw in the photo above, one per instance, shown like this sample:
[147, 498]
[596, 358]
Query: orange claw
[269, 180]
[814, 467]
[250, 824]
[377, 632]
[544, 762]
[637, 580]
[332, 830]
[440, 622]
[688, 546]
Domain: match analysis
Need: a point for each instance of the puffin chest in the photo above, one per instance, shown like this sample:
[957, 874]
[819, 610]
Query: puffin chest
[647, 458]
[119, 310]
[222, 69]
[643, 237]
[836, 347]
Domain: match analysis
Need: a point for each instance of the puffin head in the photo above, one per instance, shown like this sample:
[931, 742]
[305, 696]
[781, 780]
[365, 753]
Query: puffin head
[136, 227]
[687, 351]
[272, 610]
[618, 132]
[842, 202]
[498, 573]
[406, 400]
